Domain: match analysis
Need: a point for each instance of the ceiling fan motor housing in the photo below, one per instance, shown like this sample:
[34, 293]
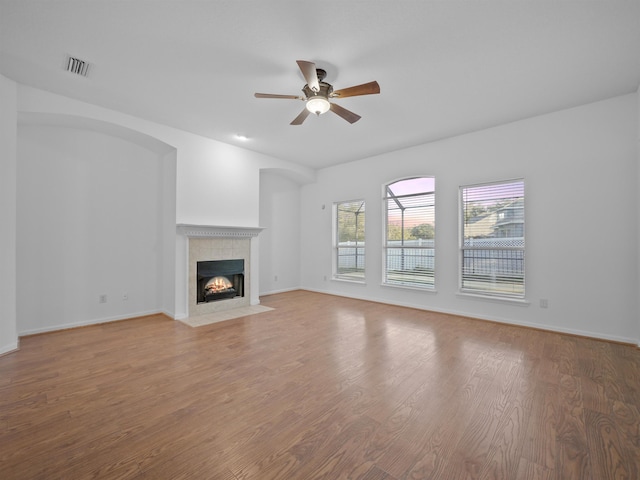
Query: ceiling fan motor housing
[325, 91]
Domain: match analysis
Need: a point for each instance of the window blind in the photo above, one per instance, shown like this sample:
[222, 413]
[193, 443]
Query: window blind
[493, 242]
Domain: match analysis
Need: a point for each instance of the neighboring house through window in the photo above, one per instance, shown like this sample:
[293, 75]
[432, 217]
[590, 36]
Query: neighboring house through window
[409, 248]
[349, 240]
[492, 239]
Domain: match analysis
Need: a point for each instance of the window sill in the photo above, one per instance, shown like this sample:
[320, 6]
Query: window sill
[522, 302]
[348, 280]
[409, 287]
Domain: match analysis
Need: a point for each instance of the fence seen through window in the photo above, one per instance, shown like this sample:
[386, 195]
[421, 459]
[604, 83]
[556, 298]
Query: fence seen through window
[492, 246]
[350, 246]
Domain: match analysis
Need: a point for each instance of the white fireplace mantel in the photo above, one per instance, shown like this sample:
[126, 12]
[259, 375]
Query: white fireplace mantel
[214, 242]
[217, 231]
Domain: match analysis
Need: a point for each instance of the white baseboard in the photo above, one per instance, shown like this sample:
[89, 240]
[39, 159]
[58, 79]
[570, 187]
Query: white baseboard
[284, 290]
[549, 328]
[11, 347]
[166, 313]
[53, 328]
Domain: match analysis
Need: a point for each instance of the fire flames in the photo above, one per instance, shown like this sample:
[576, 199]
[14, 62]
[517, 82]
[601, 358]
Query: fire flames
[217, 284]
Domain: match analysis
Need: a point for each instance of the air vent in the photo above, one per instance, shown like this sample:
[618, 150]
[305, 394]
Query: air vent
[77, 66]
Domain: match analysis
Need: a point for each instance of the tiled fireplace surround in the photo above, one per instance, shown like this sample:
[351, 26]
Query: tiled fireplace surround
[217, 243]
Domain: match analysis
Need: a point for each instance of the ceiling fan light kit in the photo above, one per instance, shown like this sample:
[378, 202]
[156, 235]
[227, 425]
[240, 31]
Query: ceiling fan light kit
[318, 105]
[317, 94]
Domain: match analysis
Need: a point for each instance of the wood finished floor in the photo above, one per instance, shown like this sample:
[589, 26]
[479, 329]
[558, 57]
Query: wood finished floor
[321, 387]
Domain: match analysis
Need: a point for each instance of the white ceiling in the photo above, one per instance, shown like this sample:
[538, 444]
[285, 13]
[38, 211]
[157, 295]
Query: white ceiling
[444, 67]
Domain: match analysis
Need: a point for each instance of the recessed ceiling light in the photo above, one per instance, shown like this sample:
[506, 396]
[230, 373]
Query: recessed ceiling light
[241, 137]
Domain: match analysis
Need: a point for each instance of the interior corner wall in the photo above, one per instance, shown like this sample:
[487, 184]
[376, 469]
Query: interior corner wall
[8, 215]
[279, 241]
[638, 200]
[89, 214]
[580, 168]
[167, 254]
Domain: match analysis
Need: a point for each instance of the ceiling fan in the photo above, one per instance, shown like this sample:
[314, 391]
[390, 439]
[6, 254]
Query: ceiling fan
[317, 94]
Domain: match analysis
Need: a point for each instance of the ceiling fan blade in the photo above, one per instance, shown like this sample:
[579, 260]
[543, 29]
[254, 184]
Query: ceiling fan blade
[272, 95]
[301, 118]
[344, 113]
[364, 89]
[308, 70]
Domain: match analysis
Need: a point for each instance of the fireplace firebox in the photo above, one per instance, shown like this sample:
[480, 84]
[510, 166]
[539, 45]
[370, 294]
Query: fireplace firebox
[219, 280]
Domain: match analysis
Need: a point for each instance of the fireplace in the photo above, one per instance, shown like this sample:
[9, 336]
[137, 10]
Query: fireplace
[219, 280]
[203, 243]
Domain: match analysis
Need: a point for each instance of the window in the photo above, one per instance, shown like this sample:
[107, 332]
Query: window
[492, 243]
[409, 248]
[349, 251]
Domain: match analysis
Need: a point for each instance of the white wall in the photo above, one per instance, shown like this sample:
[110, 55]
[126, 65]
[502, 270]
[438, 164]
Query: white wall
[280, 240]
[167, 201]
[564, 157]
[208, 176]
[209, 173]
[90, 223]
[8, 126]
[638, 217]
[580, 171]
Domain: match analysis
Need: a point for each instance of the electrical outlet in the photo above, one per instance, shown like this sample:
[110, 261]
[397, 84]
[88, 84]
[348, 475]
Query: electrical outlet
[103, 298]
[125, 297]
[275, 278]
[544, 303]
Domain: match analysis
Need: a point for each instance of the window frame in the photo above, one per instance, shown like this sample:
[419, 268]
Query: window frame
[336, 273]
[462, 248]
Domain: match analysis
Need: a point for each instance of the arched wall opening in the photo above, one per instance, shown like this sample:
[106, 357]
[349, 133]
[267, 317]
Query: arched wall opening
[96, 208]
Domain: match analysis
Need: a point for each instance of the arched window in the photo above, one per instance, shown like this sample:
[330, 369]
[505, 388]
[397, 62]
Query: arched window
[409, 243]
